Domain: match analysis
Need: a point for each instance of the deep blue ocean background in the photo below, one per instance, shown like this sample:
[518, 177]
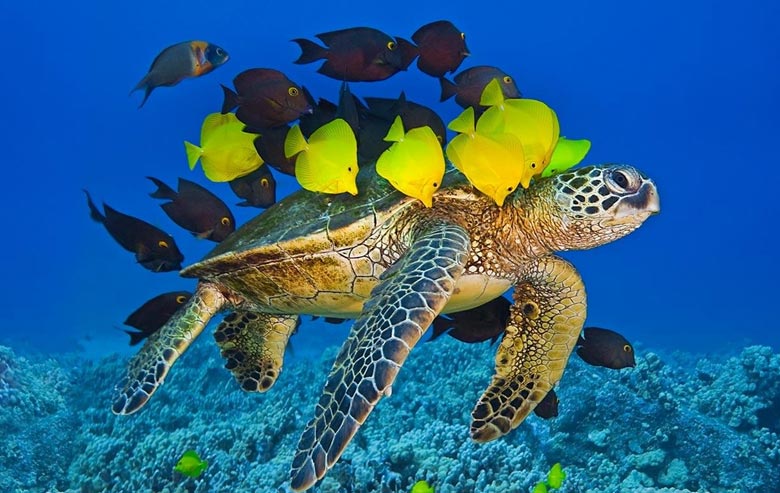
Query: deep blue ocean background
[689, 92]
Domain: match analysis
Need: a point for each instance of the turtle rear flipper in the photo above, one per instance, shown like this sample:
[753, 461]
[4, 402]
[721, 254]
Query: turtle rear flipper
[253, 345]
[408, 297]
[544, 323]
[147, 369]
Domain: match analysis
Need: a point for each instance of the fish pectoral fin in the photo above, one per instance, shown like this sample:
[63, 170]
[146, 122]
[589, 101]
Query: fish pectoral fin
[203, 235]
[394, 318]
[544, 323]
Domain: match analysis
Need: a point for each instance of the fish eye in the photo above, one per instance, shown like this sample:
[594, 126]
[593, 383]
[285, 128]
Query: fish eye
[391, 45]
[181, 299]
[507, 79]
[533, 165]
[264, 182]
[225, 221]
[435, 184]
[293, 91]
[349, 169]
[220, 52]
[162, 244]
[627, 348]
[463, 36]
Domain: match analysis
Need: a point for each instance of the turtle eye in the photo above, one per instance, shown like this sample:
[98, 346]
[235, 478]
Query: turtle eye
[622, 181]
[507, 79]
[293, 91]
[391, 45]
[162, 244]
[181, 299]
[264, 182]
[225, 221]
[627, 348]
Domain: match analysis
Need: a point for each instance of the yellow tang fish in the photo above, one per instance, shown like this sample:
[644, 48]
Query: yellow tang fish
[191, 464]
[493, 164]
[414, 164]
[531, 121]
[328, 161]
[567, 153]
[226, 152]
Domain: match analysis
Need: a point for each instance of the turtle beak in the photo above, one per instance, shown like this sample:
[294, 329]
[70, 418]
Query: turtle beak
[641, 205]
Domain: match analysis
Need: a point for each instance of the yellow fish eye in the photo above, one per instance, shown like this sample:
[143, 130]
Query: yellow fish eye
[391, 45]
[627, 348]
[293, 91]
[508, 189]
[225, 221]
[435, 185]
[533, 165]
[264, 182]
[181, 299]
[162, 244]
[507, 79]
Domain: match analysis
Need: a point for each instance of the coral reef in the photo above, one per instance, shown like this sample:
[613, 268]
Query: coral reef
[676, 423]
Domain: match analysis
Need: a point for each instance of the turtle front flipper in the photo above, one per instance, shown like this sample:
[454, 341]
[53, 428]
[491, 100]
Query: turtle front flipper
[147, 369]
[253, 345]
[410, 294]
[544, 323]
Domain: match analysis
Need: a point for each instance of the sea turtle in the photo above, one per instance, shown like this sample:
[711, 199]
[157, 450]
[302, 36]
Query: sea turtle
[383, 258]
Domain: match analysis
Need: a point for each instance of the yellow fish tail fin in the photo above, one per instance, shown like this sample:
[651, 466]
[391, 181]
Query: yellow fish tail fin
[193, 153]
[492, 121]
[464, 123]
[492, 95]
[295, 142]
[396, 132]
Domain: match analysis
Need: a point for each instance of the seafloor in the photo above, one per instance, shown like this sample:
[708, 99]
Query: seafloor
[677, 422]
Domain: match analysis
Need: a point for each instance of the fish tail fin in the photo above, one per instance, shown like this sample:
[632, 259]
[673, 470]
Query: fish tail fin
[94, 213]
[163, 191]
[193, 153]
[463, 123]
[440, 326]
[396, 132]
[135, 337]
[231, 99]
[295, 142]
[492, 95]
[409, 52]
[147, 92]
[310, 51]
[448, 89]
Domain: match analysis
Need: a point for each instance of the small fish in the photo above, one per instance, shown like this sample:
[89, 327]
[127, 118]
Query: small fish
[422, 486]
[494, 163]
[485, 322]
[441, 48]
[556, 476]
[196, 209]
[154, 248]
[414, 164]
[150, 316]
[226, 151]
[470, 83]
[258, 188]
[180, 61]
[604, 347]
[413, 114]
[330, 320]
[191, 464]
[567, 153]
[265, 98]
[531, 121]
[356, 54]
[348, 109]
[327, 162]
[548, 407]
[270, 147]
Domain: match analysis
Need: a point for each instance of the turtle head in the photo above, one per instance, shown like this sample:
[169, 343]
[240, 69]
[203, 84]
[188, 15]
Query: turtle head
[595, 205]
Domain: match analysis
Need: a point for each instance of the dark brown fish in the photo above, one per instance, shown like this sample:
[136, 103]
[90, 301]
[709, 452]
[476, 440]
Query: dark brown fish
[154, 248]
[548, 407]
[180, 61]
[330, 320]
[441, 48]
[270, 147]
[604, 347]
[265, 98]
[355, 54]
[324, 111]
[479, 324]
[413, 115]
[150, 316]
[258, 188]
[196, 209]
[470, 83]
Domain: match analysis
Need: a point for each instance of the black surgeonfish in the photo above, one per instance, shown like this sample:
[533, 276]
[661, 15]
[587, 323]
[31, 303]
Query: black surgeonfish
[150, 316]
[441, 48]
[479, 324]
[356, 54]
[196, 209]
[265, 98]
[154, 248]
[349, 109]
[470, 83]
[604, 347]
[270, 146]
[548, 407]
[180, 61]
[258, 188]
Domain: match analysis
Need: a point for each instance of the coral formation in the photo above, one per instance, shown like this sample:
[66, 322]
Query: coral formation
[672, 424]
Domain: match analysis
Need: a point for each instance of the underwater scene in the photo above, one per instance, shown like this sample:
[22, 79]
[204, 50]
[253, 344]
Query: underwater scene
[415, 247]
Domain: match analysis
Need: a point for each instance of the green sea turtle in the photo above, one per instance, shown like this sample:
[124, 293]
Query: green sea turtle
[383, 258]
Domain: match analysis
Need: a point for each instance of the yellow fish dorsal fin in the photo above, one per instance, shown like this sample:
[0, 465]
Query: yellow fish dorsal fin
[492, 95]
[193, 153]
[463, 123]
[337, 133]
[295, 142]
[213, 121]
[396, 132]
